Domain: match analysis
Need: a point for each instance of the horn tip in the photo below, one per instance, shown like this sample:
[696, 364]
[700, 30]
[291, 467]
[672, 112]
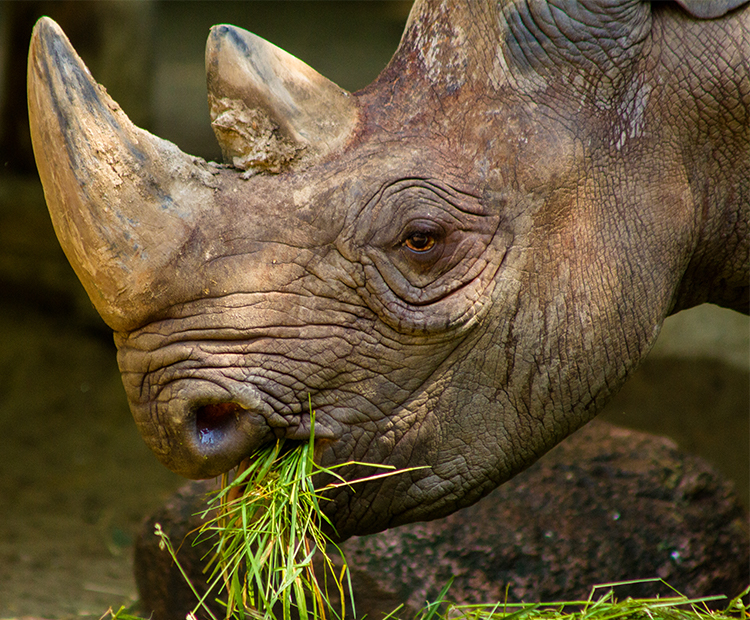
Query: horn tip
[50, 47]
[46, 31]
[46, 24]
[239, 37]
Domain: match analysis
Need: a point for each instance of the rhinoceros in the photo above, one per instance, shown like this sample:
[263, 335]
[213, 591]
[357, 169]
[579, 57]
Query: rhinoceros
[455, 267]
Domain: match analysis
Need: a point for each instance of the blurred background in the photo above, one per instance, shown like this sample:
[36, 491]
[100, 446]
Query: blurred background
[75, 477]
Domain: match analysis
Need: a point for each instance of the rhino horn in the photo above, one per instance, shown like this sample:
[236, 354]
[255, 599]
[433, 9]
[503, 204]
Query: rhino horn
[269, 109]
[123, 202]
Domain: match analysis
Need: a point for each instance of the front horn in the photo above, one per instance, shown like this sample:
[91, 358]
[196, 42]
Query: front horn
[123, 202]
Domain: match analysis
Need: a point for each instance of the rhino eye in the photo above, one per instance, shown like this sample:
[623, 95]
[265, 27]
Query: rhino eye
[420, 242]
[421, 239]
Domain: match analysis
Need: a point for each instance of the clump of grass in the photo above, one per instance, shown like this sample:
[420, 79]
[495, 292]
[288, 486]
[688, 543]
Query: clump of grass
[266, 528]
[603, 607]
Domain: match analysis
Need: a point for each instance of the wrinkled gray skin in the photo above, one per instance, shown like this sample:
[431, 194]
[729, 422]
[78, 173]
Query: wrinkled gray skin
[577, 171]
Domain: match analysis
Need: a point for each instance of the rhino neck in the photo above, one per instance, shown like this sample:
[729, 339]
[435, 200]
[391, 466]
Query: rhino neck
[710, 100]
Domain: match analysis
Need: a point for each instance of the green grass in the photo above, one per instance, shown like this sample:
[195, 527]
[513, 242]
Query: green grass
[266, 528]
[603, 607]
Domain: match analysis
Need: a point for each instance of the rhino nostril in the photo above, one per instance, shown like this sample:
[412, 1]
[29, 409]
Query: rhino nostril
[210, 433]
[214, 421]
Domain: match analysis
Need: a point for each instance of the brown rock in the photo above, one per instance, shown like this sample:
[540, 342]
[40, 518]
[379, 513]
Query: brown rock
[606, 505]
[162, 587]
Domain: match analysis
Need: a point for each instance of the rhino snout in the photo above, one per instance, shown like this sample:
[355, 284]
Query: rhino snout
[208, 436]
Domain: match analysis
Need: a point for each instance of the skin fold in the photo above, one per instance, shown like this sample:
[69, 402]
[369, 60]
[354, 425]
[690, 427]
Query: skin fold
[456, 272]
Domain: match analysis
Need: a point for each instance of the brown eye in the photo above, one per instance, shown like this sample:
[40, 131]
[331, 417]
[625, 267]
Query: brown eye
[420, 242]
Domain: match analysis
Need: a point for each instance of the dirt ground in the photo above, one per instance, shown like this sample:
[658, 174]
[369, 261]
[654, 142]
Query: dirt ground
[76, 480]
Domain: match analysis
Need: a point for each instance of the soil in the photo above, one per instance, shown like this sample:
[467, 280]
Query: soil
[75, 478]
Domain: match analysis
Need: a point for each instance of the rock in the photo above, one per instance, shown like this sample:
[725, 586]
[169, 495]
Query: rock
[606, 505]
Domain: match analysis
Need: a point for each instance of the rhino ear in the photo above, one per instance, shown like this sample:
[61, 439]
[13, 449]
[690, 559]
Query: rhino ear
[268, 108]
[709, 9]
[123, 202]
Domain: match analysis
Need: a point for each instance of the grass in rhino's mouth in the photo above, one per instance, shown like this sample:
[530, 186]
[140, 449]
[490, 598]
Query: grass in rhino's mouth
[266, 532]
[266, 525]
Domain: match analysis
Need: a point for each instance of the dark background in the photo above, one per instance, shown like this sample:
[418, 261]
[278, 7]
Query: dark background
[75, 478]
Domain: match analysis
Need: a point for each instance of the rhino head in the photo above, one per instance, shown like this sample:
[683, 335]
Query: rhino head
[455, 267]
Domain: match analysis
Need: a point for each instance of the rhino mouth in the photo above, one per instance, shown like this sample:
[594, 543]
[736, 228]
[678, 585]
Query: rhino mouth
[211, 437]
[214, 422]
